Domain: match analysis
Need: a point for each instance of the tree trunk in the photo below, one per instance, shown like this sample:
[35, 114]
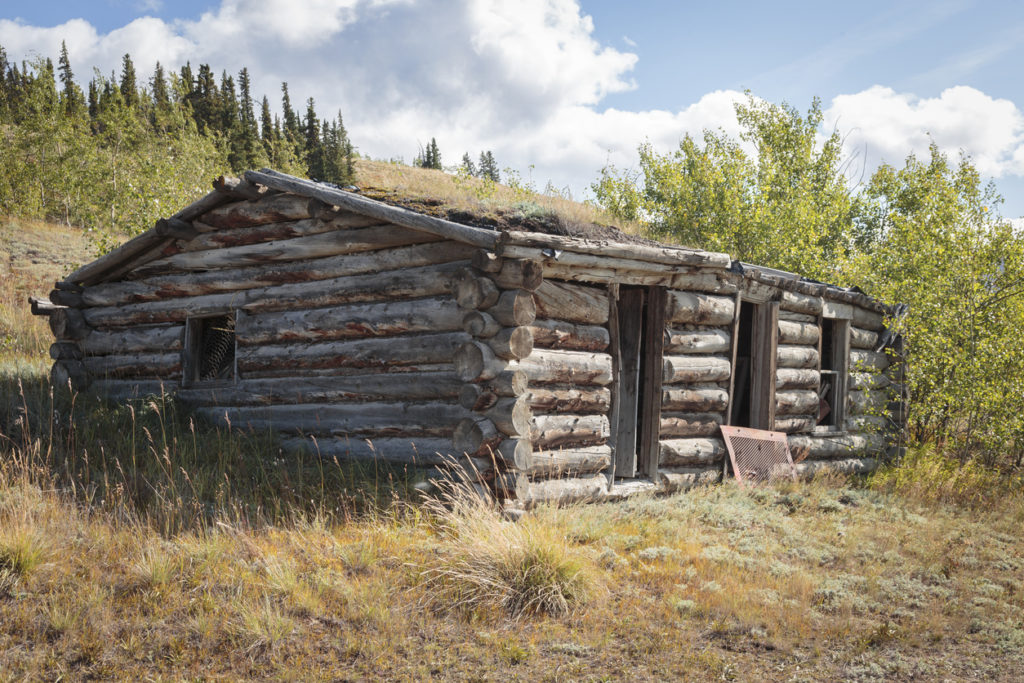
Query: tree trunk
[566, 367]
[689, 369]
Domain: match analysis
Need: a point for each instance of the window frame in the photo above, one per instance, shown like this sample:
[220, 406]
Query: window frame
[190, 362]
[840, 316]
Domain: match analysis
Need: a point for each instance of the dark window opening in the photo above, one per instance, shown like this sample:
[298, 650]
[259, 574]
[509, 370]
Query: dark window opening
[832, 390]
[210, 352]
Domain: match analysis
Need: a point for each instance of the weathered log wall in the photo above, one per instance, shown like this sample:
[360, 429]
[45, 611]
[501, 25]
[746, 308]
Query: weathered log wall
[362, 339]
[345, 329]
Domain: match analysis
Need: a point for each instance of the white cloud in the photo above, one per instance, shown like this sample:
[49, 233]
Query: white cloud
[889, 125]
[524, 79]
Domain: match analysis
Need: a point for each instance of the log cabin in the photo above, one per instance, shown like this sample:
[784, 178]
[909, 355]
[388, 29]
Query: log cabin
[556, 368]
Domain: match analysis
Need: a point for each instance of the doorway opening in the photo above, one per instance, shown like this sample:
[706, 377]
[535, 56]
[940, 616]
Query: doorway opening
[638, 322]
[755, 349]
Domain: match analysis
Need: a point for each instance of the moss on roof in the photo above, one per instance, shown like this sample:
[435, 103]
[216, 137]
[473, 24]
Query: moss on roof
[486, 204]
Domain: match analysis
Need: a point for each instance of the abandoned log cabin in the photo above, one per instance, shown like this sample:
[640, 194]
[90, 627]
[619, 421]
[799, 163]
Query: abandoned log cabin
[561, 367]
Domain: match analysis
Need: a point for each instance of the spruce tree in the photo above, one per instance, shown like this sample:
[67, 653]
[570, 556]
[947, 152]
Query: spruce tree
[433, 156]
[313, 149]
[129, 89]
[489, 167]
[71, 94]
[205, 101]
[292, 131]
[161, 115]
[268, 133]
[337, 153]
[250, 149]
[468, 167]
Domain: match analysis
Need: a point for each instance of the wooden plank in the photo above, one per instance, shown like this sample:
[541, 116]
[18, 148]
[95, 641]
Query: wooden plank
[650, 404]
[732, 358]
[627, 373]
[763, 365]
[369, 207]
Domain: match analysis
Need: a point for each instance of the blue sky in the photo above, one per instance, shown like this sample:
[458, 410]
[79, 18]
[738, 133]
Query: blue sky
[568, 86]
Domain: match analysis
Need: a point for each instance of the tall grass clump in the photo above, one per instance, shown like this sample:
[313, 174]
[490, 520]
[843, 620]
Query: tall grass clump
[929, 476]
[487, 562]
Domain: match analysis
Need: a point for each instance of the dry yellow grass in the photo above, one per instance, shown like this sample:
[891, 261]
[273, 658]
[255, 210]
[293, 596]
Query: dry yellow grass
[473, 200]
[134, 544]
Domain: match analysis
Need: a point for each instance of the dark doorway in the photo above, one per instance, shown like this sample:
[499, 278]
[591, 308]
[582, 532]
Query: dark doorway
[756, 346]
[638, 323]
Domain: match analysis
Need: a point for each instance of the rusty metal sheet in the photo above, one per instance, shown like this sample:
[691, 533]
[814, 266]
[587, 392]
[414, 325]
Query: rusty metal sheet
[758, 455]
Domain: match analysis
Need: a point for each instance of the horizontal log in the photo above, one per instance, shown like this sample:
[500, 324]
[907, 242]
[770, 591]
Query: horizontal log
[673, 256]
[69, 323]
[568, 491]
[809, 468]
[690, 424]
[690, 452]
[812, 447]
[868, 320]
[792, 317]
[690, 369]
[124, 389]
[391, 369]
[486, 261]
[796, 402]
[415, 451]
[702, 309]
[353, 353]
[795, 423]
[144, 338]
[559, 334]
[369, 207]
[556, 431]
[480, 324]
[475, 361]
[869, 380]
[546, 366]
[831, 309]
[868, 361]
[275, 208]
[403, 284]
[162, 365]
[372, 420]
[571, 461]
[797, 378]
[476, 435]
[409, 386]
[332, 243]
[568, 399]
[512, 416]
[868, 423]
[267, 275]
[798, 333]
[697, 400]
[65, 297]
[512, 343]
[472, 292]
[684, 341]
[797, 357]
[72, 374]
[863, 339]
[605, 276]
[574, 303]
[686, 478]
[800, 303]
[277, 231]
[524, 274]
[514, 308]
[65, 350]
[868, 402]
[434, 314]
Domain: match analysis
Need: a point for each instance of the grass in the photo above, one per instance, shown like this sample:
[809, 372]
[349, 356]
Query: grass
[135, 542]
[516, 205]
